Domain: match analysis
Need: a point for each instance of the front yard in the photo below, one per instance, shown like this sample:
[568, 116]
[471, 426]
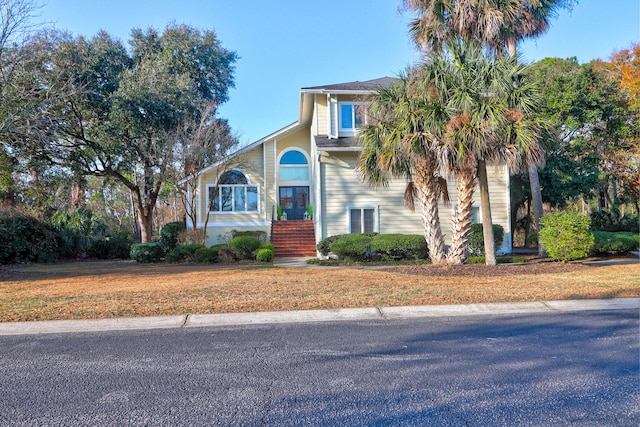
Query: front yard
[126, 289]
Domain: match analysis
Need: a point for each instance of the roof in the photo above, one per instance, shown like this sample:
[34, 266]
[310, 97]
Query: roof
[325, 143]
[367, 86]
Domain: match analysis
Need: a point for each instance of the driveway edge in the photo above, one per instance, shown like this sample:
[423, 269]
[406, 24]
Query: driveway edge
[308, 316]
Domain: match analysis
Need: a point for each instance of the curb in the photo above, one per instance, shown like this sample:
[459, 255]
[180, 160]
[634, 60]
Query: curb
[310, 316]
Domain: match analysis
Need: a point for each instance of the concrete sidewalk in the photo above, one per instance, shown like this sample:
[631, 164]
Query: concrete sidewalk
[346, 314]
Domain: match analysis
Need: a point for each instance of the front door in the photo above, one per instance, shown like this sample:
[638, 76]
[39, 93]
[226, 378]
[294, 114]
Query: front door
[293, 201]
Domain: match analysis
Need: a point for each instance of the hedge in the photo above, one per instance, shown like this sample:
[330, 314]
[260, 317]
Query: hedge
[565, 235]
[400, 246]
[244, 247]
[146, 252]
[183, 253]
[615, 242]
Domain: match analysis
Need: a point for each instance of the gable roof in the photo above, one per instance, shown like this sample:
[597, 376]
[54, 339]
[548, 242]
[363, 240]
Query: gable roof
[357, 87]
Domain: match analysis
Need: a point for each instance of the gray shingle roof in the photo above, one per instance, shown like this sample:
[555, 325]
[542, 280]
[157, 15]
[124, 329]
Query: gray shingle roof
[368, 85]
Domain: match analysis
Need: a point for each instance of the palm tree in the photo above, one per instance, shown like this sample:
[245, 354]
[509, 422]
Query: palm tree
[397, 143]
[489, 105]
[498, 25]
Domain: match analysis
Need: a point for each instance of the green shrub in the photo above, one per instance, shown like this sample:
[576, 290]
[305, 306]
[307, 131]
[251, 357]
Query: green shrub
[208, 255]
[244, 246]
[616, 242]
[565, 235]
[169, 235]
[116, 246]
[76, 229]
[476, 238]
[267, 246]
[399, 246]
[264, 255]
[258, 234]
[183, 253]
[24, 238]
[146, 252]
[324, 246]
[356, 247]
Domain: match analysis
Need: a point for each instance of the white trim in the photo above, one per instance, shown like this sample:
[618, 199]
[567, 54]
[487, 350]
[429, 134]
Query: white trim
[264, 179]
[281, 132]
[353, 130]
[292, 183]
[236, 224]
[234, 186]
[376, 217]
[339, 92]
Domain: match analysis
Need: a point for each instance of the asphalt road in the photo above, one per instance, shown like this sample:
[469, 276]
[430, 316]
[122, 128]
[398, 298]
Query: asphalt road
[579, 369]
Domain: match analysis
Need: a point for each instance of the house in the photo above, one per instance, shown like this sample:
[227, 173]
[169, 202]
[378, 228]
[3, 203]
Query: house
[307, 168]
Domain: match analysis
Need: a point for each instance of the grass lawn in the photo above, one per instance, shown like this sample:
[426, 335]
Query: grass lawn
[125, 289]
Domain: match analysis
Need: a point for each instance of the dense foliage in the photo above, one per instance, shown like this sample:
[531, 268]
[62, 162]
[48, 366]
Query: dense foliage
[476, 238]
[565, 235]
[607, 242]
[183, 253]
[147, 252]
[374, 246]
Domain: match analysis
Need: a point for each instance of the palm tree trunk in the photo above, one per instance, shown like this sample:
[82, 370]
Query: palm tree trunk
[428, 193]
[536, 198]
[462, 217]
[485, 206]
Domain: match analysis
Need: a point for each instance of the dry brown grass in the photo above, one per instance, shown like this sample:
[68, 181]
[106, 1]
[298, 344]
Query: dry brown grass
[125, 289]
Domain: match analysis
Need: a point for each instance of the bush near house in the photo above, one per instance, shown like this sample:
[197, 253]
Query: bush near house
[268, 246]
[476, 238]
[244, 247]
[265, 255]
[371, 246]
[355, 247]
[183, 253]
[169, 235]
[400, 246]
[206, 255]
[258, 234]
[615, 242]
[147, 252]
[565, 235]
[324, 246]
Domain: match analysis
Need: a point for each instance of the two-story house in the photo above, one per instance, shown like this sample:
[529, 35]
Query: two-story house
[312, 164]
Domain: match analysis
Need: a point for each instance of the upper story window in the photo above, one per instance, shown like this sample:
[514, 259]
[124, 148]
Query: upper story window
[351, 116]
[294, 166]
[234, 193]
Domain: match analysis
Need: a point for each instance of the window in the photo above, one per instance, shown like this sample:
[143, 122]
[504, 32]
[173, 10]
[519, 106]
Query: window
[362, 220]
[352, 115]
[294, 166]
[234, 193]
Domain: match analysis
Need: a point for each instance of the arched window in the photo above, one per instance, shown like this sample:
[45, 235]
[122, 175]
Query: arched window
[233, 193]
[294, 166]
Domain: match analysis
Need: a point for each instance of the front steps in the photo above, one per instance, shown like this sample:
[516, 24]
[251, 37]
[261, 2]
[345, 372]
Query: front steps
[293, 238]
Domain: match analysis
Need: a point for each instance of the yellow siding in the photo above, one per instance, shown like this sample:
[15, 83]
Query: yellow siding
[320, 117]
[341, 187]
[216, 235]
[251, 164]
[299, 139]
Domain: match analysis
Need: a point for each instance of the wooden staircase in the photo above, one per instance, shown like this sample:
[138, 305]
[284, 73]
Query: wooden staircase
[293, 238]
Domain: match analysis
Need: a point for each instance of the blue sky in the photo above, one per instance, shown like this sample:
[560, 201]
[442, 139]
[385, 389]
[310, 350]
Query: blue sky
[288, 44]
